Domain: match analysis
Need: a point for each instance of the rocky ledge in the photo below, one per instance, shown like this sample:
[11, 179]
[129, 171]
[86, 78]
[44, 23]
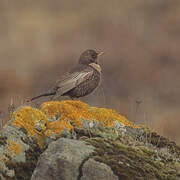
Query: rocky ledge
[71, 140]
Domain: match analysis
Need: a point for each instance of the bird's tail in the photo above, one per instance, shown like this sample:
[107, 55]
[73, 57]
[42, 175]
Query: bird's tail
[45, 94]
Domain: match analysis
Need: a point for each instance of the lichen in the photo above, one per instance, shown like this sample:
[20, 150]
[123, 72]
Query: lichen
[59, 125]
[55, 116]
[128, 162]
[13, 148]
[27, 117]
[130, 151]
[77, 110]
[24, 170]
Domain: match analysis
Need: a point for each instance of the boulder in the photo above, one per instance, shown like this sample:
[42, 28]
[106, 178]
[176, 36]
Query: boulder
[71, 140]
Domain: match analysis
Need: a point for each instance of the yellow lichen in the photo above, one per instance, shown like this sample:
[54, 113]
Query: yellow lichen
[3, 157]
[75, 110]
[58, 126]
[13, 148]
[48, 133]
[66, 113]
[28, 118]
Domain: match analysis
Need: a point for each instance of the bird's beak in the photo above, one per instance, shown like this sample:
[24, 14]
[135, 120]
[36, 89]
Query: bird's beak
[100, 53]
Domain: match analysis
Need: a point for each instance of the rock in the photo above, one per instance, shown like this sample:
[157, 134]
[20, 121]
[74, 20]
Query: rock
[62, 160]
[18, 154]
[93, 170]
[68, 159]
[75, 141]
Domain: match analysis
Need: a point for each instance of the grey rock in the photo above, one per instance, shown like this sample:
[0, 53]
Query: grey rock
[62, 160]
[13, 133]
[93, 170]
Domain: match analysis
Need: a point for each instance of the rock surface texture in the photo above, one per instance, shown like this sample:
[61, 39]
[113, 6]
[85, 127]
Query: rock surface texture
[70, 140]
[69, 159]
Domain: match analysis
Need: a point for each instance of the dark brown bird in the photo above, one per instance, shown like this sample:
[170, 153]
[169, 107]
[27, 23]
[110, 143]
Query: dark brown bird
[81, 80]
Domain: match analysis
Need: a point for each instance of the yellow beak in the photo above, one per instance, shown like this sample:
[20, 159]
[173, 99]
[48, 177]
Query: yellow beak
[100, 53]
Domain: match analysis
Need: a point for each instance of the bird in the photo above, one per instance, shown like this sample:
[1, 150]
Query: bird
[81, 80]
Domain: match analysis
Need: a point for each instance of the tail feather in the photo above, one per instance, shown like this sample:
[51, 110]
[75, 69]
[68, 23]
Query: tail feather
[45, 94]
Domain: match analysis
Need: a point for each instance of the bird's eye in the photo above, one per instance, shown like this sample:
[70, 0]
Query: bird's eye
[94, 56]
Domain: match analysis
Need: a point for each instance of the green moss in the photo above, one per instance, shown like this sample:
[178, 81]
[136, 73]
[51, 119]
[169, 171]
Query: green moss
[127, 162]
[161, 142]
[3, 140]
[146, 150]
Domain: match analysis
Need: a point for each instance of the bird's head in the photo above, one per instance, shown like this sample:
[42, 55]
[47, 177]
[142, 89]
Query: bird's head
[89, 56]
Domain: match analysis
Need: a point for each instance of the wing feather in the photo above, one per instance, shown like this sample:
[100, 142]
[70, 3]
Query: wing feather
[72, 80]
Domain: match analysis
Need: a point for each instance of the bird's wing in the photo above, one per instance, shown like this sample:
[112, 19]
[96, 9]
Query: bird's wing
[71, 80]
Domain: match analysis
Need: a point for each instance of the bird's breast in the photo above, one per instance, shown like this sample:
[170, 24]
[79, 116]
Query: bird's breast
[86, 87]
[97, 67]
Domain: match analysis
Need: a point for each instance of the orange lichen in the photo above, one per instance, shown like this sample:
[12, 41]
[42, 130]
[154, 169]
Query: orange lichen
[58, 126]
[10, 150]
[65, 114]
[75, 110]
[48, 133]
[13, 148]
[3, 157]
[28, 117]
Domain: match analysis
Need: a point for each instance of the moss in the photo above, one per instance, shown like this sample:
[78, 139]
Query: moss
[161, 142]
[3, 140]
[127, 162]
[146, 150]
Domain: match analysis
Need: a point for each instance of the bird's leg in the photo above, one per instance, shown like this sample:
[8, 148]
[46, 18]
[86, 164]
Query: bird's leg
[71, 97]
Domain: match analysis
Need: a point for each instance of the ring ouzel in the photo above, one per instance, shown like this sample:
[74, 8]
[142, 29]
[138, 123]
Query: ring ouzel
[81, 80]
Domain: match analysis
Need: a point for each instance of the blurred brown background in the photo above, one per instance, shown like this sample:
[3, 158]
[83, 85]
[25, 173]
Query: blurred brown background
[141, 40]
